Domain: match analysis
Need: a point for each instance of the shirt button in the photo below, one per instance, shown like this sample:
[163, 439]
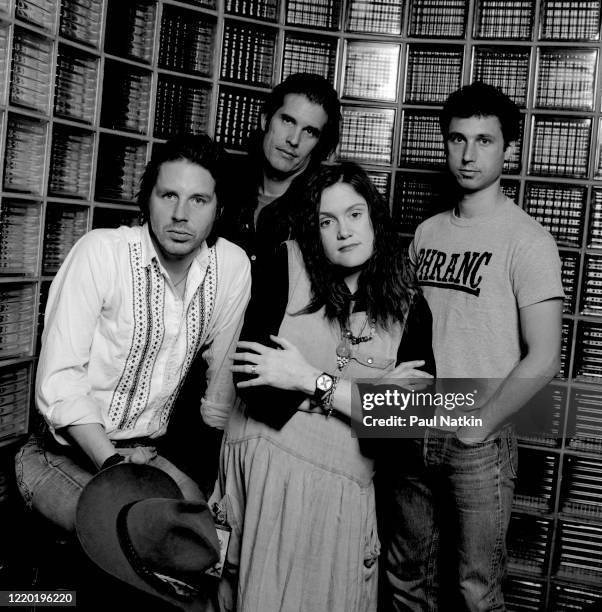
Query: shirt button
[253, 257]
[370, 360]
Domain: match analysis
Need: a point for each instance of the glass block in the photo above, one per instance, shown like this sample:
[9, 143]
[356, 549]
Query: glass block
[371, 70]
[438, 18]
[309, 53]
[510, 189]
[41, 13]
[417, 197]
[522, 594]
[581, 492]
[382, 182]
[536, 483]
[248, 54]
[575, 598]
[24, 155]
[314, 13]
[258, 9]
[15, 394]
[121, 163]
[80, 21]
[565, 348]
[504, 19]
[421, 141]
[588, 352]
[127, 105]
[565, 78]
[545, 429]
[70, 162]
[432, 73]
[383, 17]
[367, 135]
[65, 225]
[238, 113]
[75, 85]
[187, 41]
[528, 543]
[20, 226]
[513, 162]
[591, 286]
[31, 69]
[570, 277]
[506, 68]
[4, 50]
[560, 146]
[594, 239]
[570, 20]
[115, 217]
[560, 208]
[17, 319]
[579, 549]
[130, 29]
[182, 106]
[584, 426]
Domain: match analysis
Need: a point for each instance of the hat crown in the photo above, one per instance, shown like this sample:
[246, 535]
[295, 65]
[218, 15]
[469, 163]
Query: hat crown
[173, 537]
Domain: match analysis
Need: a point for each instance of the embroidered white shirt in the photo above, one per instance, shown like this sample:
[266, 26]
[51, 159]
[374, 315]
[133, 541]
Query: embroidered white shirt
[118, 341]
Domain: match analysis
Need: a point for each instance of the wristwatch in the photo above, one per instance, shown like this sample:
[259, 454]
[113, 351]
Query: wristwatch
[324, 384]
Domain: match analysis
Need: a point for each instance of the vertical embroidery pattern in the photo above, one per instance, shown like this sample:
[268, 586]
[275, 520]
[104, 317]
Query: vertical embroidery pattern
[131, 395]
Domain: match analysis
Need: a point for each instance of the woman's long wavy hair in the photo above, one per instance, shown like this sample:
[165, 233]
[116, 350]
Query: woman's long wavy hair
[386, 282]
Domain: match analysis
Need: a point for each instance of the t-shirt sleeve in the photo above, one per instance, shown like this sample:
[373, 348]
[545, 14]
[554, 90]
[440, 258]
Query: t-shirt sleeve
[536, 270]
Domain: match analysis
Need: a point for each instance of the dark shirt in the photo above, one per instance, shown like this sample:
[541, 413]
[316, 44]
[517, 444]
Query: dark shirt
[276, 221]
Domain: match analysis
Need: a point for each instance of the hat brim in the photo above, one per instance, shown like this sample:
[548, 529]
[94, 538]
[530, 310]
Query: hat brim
[96, 519]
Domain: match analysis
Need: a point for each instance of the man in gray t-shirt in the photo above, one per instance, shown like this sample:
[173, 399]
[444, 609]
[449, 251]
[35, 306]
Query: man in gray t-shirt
[491, 276]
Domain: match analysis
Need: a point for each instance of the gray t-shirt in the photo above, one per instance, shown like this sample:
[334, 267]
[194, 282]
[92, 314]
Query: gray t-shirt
[476, 274]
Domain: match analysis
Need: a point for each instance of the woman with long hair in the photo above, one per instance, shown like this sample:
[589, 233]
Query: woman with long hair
[295, 486]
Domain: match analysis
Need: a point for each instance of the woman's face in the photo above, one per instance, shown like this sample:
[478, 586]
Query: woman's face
[345, 226]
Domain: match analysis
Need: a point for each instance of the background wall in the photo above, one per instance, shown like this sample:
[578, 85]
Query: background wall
[87, 87]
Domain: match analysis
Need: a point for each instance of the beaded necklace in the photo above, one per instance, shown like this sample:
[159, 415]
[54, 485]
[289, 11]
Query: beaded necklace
[348, 341]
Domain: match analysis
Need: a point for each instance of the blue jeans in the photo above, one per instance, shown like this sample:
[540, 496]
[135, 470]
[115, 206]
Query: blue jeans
[449, 515]
[51, 479]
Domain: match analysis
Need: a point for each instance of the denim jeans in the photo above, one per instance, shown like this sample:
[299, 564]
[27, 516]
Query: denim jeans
[449, 514]
[51, 479]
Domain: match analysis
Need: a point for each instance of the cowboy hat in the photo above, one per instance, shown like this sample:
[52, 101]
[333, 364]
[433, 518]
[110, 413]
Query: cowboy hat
[133, 522]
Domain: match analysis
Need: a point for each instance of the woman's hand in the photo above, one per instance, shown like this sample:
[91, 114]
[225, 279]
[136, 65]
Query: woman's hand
[283, 368]
[405, 373]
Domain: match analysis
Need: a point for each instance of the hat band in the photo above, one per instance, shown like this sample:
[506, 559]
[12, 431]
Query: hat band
[165, 584]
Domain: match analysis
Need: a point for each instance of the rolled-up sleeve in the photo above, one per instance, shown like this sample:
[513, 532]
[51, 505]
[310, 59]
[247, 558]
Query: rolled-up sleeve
[234, 290]
[74, 304]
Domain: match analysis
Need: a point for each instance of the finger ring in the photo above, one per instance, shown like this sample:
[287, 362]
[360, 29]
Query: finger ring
[254, 369]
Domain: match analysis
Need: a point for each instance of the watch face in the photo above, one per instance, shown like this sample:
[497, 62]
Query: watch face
[324, 382]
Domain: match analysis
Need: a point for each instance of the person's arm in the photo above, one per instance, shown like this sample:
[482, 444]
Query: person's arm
[235, 273]
[74, 304]
[541, 327]
[286, 368]
[417, 339]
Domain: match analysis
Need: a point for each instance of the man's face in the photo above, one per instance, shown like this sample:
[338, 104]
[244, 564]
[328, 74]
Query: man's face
[475, 151]
[293, 132]
[181, 208]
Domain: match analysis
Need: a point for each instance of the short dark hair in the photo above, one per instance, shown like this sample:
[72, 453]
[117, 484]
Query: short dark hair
[199, 149]
[482, 100]
[317, 90]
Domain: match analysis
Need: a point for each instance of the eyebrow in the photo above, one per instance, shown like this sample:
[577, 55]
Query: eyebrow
[351, 206]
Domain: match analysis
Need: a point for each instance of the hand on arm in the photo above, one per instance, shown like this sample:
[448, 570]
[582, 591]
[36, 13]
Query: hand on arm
[541, 328]
[286, 368]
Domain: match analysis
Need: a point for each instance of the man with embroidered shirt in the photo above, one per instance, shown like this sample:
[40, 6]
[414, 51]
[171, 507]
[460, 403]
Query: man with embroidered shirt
[491, 276]
[126, 314]
[299, 128]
